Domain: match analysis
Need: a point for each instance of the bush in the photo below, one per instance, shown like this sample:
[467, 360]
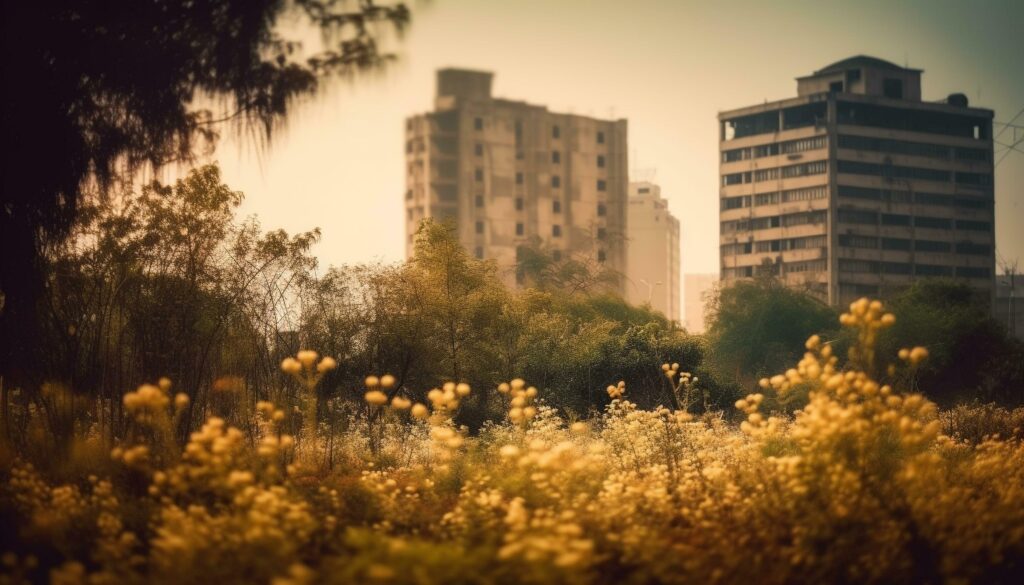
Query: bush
[861, 485]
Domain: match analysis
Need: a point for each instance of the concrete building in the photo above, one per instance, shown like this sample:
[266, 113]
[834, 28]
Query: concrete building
[856, 186]
[652, 244]
[507, 172]
[696, 290]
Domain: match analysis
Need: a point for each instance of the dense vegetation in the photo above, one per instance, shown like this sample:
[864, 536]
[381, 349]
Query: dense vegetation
[634, 453]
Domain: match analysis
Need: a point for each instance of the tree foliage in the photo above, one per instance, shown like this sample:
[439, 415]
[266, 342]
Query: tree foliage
[165, 282]
[96, 90]
[758, 326]
[970, 354]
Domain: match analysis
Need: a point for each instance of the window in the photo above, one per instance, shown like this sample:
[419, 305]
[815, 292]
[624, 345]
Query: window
[600, 161]
[895, 244]
[835, 87]
[810, 217]
[479, 252]
[938, 223]
[556, 157]
[735, 155]
[895, 219]
[896, 268]
[556, 181]
[601, 256]
[556, 206]
[519, 229]
[980, 179]
[848, 265]
[519, 203]
[804, 194]
[602, 233]
[478, 175]
[556, 132]
[408, 194]
[931, 246]
[932, 270]
[519, 178]
[408, 214]
[857, 216]
[855, 241]
[478, 123]
[978, 226]
[811, 168]
[852, 75]
[893, 88]
[478, 149]
[600, 137]
[479, 227]
[602, 185]
[732, 179]
[736, 202]
[556, 231]
[973, 249]
[601, 210]
[479, 200]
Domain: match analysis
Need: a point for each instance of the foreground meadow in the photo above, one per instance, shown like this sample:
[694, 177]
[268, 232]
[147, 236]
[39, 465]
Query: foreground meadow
[866, 483]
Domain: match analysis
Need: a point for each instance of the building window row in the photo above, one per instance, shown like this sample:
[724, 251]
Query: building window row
[761, 223]
[812, 114]
[804, 266]
[775, 148]
[912, 148]
[898, 196]
[775, 269]
[851, 266]
[775, 197]
[891, 171]
[779, 245]
[912, 120]
[861, 216]
[818, 167]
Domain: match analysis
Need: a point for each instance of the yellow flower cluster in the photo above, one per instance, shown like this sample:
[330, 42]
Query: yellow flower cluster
[521, 408]
[866, 483]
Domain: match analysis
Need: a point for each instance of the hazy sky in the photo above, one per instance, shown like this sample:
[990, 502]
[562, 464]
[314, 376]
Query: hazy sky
[666, 66]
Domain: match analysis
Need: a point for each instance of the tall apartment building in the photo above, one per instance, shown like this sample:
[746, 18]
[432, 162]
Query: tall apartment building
[696, 289]
[856, 186]
[652, 257]
[507, 173]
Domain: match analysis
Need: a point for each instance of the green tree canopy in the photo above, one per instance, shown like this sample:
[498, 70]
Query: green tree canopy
[758, 327]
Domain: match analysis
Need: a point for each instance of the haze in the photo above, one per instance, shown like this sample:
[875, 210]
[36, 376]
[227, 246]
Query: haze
[668, 67]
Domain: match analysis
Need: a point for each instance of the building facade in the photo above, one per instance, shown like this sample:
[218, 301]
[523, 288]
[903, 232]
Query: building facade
[696, 290]
[652, 257]
[856, 186]
[508, 173]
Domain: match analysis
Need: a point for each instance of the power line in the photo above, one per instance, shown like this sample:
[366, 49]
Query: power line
[1008, 124]
[1009, 148]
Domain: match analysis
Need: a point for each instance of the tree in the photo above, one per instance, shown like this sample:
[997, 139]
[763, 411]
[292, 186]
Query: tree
[759, 326]
[164, 282]
[97, 90]
[970, 355]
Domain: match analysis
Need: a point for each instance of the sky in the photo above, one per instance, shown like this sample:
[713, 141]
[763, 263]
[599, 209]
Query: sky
[667, 66]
